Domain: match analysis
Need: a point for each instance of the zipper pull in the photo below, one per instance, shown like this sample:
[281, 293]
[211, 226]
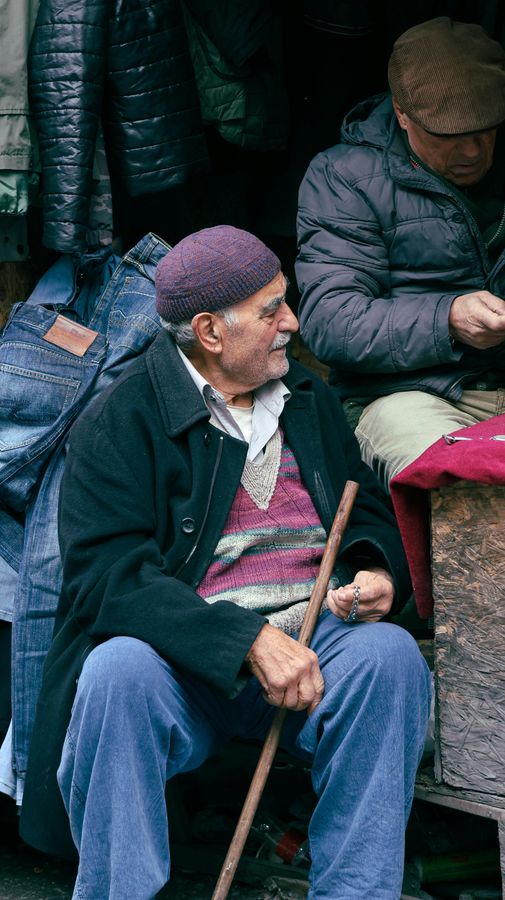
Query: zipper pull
[452, 438]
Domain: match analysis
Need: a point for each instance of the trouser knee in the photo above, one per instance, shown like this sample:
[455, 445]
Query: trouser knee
[393, 654]
[381, 665]
[121, 668]
[128, 695]
[391, 645]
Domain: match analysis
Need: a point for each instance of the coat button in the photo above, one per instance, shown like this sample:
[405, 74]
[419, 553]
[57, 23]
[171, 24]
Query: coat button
[207, 439]
[188, 525]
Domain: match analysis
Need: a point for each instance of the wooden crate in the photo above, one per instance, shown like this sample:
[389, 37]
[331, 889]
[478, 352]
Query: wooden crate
[468, 566]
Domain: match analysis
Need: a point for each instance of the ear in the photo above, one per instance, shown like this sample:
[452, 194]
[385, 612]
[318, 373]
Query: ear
[402, 118]
[208, 331]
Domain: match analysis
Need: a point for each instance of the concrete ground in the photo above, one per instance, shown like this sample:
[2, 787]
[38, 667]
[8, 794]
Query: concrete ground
[28, 875]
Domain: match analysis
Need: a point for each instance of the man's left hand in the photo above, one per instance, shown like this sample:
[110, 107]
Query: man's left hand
[376, 592]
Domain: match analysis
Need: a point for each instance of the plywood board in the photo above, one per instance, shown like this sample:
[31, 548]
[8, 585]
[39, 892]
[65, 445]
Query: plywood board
[468, 567]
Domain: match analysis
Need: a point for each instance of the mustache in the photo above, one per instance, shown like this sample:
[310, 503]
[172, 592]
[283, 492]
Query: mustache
[280, 341]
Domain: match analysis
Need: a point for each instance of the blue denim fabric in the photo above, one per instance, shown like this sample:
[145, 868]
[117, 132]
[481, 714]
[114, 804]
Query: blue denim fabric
[42, 389]
[11, 550]
[124, 313]
[75, 283]
[8, 584]
[137, 722]
[35, 603]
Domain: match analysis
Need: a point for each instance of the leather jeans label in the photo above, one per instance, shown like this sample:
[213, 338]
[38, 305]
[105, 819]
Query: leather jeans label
[70, 336]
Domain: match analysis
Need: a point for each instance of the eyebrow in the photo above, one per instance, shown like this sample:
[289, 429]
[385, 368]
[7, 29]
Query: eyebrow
[272, 305]
[275, 302]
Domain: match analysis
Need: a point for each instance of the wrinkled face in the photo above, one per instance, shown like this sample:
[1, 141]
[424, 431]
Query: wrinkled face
[463, 159]
[254, 348]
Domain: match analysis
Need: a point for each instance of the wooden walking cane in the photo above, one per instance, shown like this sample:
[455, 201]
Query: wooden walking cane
[272, 739]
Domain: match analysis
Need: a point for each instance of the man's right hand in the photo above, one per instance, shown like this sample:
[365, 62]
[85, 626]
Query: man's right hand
[288, 672]
[478, 319]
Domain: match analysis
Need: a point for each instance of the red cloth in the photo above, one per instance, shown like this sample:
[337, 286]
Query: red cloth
[441, 464]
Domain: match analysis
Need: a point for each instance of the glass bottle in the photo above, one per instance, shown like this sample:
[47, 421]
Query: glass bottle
[281, 842]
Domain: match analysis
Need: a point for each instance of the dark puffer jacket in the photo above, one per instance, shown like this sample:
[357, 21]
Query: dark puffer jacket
[385, 247]
[127, 62]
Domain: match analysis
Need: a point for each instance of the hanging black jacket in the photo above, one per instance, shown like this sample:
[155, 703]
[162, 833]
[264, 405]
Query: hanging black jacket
[127, 63]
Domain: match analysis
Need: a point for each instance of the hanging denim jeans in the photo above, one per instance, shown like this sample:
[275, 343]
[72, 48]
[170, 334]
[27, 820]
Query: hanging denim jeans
[34, 370]
[43, 387]
[125, 315]
[75, 283]
[126, 312]
[11, 549]
[35, 603]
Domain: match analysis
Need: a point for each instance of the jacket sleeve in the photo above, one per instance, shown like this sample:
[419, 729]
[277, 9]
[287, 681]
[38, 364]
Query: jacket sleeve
[349, 315]
[116, 578]
[66, 80]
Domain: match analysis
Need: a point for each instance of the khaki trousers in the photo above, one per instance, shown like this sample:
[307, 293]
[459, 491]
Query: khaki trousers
[393, 431]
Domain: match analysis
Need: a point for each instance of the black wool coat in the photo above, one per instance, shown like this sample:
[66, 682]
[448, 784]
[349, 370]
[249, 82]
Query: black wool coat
[145, 495]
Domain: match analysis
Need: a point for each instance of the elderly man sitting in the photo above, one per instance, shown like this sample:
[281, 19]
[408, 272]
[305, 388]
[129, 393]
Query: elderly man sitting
[402, 235]
[199, 491]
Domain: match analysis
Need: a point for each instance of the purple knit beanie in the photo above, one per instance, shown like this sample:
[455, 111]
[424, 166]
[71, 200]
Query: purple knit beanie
[212, 269]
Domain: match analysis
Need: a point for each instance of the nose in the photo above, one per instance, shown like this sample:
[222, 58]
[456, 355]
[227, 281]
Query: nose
[287, 320]
[471, 147]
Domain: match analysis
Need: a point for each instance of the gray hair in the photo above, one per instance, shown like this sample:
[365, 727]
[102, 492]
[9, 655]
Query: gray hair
[183, 334]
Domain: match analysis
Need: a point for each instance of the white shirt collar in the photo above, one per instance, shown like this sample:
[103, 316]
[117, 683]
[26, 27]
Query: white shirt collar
[270, 399]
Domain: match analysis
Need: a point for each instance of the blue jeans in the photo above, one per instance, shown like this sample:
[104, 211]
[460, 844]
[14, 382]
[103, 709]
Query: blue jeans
[11, 550]
[136, 722]
[44, 389]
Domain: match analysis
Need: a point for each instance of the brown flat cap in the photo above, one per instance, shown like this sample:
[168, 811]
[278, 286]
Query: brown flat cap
[449, 77]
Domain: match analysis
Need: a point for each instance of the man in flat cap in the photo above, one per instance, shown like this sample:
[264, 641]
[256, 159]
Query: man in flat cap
[195, 506]
[402, 230]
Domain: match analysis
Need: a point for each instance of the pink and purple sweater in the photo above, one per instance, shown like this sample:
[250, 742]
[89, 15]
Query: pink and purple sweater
[269, 553]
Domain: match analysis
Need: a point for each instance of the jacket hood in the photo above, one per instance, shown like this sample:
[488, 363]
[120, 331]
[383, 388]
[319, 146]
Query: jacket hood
[371, 122]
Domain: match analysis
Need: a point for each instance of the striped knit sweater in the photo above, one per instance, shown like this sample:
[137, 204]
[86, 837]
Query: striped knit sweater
[268, 556]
